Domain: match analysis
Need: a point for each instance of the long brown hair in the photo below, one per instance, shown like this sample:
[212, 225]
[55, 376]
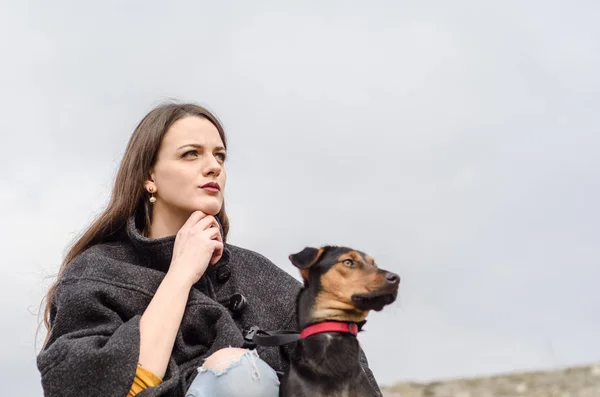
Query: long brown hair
[129, 196]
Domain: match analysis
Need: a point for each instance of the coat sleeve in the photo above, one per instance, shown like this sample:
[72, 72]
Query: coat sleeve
[93, 348]
[91, 351]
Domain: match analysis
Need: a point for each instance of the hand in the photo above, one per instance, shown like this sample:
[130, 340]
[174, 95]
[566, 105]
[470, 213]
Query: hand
[197, 244]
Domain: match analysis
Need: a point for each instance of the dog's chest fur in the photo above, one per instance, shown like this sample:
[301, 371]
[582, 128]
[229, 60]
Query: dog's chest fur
[326, 365]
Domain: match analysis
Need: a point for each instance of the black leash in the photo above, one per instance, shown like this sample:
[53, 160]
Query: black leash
[254, 336]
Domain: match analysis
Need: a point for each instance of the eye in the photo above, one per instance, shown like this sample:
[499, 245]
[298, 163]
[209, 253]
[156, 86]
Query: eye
[190, 154]
[348, 262]
[221, 156]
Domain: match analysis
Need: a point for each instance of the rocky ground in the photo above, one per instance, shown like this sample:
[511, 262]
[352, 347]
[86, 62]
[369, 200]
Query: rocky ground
[581, 381]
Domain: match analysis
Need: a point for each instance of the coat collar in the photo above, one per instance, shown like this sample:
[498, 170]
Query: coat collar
[158, 251]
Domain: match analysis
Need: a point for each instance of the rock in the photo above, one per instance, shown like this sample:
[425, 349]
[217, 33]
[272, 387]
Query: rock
[521, 388]
[581, 381]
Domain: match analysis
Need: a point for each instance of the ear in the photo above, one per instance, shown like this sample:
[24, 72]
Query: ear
[150, 181]
[306, 258]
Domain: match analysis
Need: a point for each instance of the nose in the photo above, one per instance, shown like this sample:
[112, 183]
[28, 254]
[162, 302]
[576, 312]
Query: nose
[392, 278]
[212, 167]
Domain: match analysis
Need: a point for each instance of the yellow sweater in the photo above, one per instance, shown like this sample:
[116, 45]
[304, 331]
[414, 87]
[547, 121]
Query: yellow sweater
[143, 379]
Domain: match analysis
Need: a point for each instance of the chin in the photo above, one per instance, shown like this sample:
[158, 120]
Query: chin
[209, 207]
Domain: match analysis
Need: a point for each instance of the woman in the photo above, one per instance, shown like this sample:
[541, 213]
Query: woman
[140, 304]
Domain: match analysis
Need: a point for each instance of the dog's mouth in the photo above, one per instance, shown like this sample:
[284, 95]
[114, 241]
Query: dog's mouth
[375, 300]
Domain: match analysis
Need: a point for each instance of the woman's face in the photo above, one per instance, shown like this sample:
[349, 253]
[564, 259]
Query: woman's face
[188, 174]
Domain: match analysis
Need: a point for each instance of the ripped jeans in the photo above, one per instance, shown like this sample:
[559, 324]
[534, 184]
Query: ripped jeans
[247, 376]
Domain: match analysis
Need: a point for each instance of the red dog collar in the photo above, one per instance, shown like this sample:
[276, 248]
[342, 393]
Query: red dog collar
[329, 326]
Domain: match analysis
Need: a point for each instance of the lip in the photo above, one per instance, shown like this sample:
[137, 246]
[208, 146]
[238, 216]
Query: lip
[211, 187]
[375, 300]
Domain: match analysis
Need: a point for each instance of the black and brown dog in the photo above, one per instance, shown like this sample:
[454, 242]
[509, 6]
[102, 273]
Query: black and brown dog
[341, 286]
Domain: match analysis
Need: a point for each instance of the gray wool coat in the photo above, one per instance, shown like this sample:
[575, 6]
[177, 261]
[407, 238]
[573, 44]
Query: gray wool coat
[93, 348]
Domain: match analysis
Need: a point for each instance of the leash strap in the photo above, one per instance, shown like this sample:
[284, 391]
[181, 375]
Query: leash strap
[255, 336]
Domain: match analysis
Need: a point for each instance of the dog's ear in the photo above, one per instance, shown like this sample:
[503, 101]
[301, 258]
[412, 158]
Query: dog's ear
[306, 258]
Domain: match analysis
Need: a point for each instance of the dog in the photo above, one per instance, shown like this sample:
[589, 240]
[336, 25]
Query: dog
[341, 286]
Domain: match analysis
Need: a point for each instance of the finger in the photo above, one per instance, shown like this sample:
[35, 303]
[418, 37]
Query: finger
[213, 233]
[206, 223]
[194, 218]
[217, 253]
[218, 236]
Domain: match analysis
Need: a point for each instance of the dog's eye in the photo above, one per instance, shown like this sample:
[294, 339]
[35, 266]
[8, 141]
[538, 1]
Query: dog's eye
[348, 262]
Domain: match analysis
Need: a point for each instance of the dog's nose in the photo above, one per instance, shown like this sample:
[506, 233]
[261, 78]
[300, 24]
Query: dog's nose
[392, 278]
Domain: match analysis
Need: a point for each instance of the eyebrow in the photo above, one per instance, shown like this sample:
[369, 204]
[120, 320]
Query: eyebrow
[195, 145]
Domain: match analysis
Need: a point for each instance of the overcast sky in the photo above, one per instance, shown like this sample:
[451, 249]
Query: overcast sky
[455, 142]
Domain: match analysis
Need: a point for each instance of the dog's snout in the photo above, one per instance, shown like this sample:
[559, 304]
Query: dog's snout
[392, 278]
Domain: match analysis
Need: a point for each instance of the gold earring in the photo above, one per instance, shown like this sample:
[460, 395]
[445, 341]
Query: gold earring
[152, 198]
